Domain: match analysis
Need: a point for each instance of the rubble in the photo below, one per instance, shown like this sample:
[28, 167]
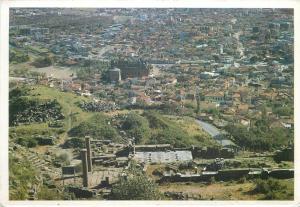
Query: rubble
[99, 106]
[50, 110]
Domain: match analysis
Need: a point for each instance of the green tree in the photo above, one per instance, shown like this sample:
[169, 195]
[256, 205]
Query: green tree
[136, 186]
[137, 127]
[43, 61]
[18, 56]
[97, 127]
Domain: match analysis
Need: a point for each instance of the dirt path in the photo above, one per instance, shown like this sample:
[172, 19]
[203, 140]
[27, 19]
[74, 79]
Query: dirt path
[62, 139]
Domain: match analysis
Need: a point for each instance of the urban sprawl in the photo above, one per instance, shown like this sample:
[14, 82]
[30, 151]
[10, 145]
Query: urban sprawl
[151, 104]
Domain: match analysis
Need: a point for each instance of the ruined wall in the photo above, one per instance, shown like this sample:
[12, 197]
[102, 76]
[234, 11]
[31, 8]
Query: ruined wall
[211, 153]
[230, 174]
[286, 154]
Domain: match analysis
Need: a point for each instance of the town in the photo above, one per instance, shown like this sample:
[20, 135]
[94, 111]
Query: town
[195, 104]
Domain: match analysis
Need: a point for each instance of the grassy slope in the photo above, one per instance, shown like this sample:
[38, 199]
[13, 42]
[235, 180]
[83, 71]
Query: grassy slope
[192, 129]
[73, 114]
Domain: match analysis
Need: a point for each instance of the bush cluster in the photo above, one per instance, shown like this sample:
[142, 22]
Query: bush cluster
[272, 189]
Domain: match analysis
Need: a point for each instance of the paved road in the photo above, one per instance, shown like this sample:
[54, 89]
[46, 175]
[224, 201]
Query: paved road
[215, 133]
[209, 128]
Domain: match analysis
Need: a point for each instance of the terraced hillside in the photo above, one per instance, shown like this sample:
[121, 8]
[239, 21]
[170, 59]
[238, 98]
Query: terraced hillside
[42, 141]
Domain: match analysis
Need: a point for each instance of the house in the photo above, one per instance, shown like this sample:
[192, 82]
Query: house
[245, 122]
[242, 108]
[236, 97]
[216, 97]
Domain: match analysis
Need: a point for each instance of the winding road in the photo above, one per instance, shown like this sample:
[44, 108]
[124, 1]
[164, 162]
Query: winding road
[209, 128]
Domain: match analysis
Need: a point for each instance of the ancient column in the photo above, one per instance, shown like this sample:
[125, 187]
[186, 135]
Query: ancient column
[89, 154]
[84, 168]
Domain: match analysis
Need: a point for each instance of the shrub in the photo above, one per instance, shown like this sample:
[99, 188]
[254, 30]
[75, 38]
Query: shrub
[137, 127]
[74, 142]
[242, 180]
[135, 186]
[97, 127]
[18, 56]
[157, 172]
[43, 62]
[62, 159]
[272, 188]
[265, 186]
[27, 141]
[32, 143]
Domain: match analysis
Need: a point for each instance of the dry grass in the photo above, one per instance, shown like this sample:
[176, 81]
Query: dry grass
[189, 125]
[216, 191]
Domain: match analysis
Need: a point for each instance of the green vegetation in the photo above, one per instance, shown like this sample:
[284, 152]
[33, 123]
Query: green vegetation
[98, 126]
[282, 107]
[137, 126]
[41, 62]
[32, 129]
[68, 102]
[21, 178]
[151, 127]
[18, 56]
[89, 68]
[24, 70]
[261, 136]
[284, 111]
[27, 142]
[75, 142]
[37, 49]
[274, 189]
[165, 130]
[62, 159]
[214, 112]
[49, 194]
[18, 92]
[148, 128]
[136, 186]
[26, 134]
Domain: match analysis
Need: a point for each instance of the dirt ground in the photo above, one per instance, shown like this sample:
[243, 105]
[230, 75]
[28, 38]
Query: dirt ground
[95, 177]
[56, 72]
